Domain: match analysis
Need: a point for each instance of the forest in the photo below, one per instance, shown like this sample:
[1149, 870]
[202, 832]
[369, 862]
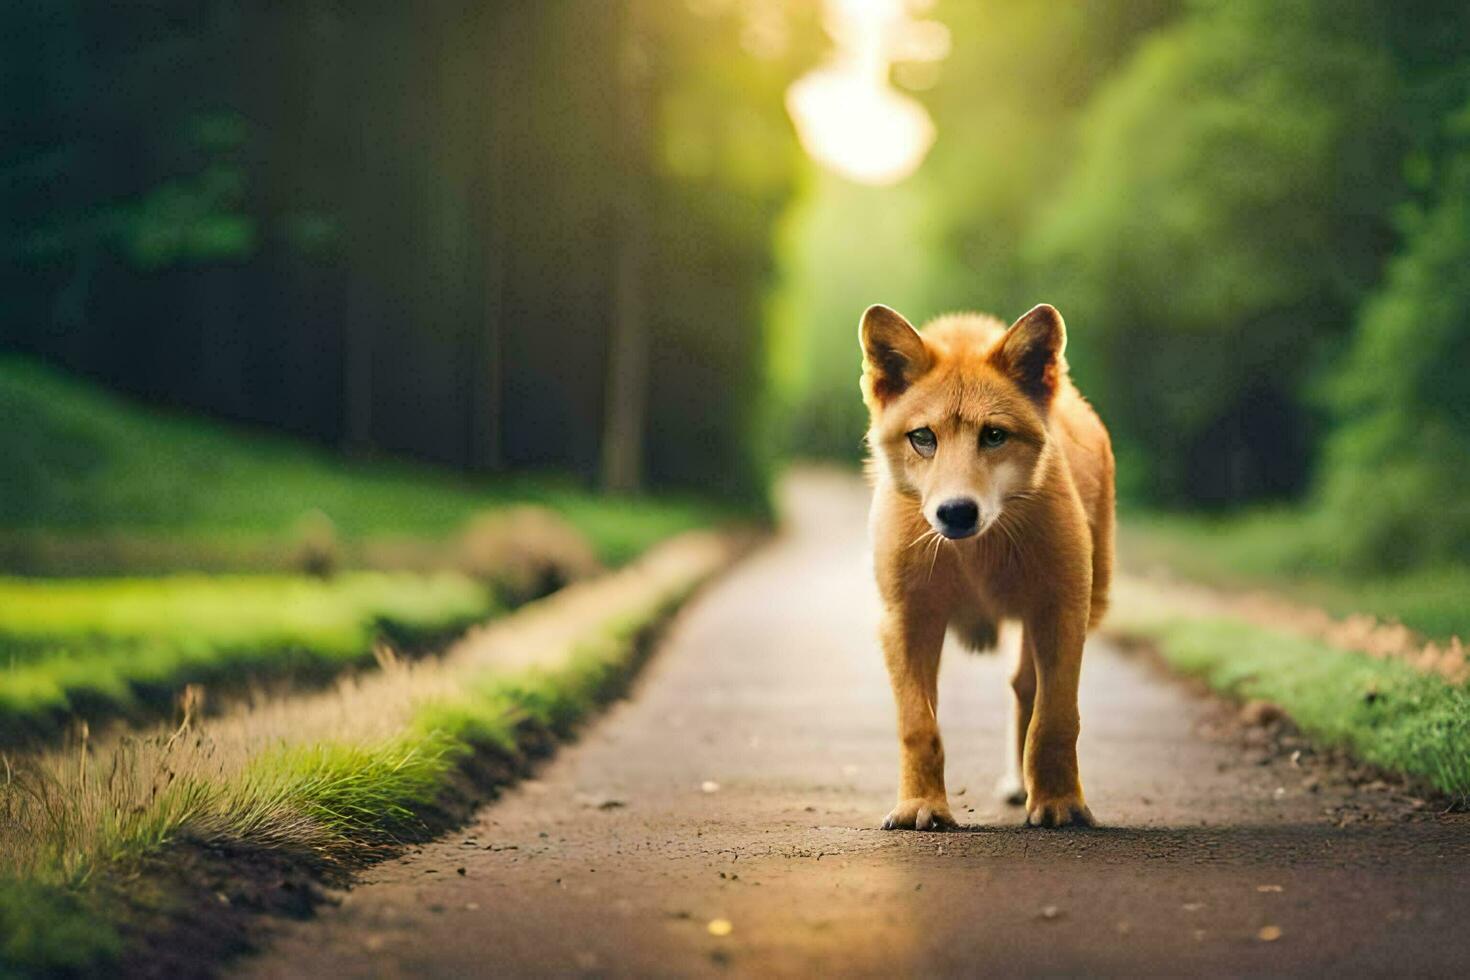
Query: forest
[417, 230]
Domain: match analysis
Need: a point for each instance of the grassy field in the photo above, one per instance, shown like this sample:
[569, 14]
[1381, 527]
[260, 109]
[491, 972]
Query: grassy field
[87, 475]
[92, 485]
[96, 648]
[275, 785]
[1270, 549]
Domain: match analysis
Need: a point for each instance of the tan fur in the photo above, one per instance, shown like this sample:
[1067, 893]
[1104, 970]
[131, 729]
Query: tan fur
[1043, 554]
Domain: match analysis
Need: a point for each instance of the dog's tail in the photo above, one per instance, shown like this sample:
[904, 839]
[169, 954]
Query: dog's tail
[975, 630]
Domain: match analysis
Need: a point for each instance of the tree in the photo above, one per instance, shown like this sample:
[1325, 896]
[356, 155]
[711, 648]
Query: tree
[1227, 209]
[1394, 483]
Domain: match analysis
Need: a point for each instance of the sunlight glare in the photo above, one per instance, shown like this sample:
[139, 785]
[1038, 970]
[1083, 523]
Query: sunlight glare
[847, 113]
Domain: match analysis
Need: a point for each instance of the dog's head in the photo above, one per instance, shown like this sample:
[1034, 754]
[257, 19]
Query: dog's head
[959, 413]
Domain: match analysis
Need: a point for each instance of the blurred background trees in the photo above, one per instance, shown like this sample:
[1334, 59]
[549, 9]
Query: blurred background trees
[417, 229]
[1252, 216]
[1226, 208]
[582, 236]
[1394, 487]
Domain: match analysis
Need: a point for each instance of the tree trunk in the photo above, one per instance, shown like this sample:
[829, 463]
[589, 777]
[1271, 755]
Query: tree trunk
[627, 382]
[486, 402]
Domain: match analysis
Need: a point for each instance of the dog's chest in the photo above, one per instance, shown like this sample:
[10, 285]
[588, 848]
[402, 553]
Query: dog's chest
[993, 581]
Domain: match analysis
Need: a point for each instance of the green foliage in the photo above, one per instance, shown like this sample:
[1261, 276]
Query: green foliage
[1227, 208]
[190, 220]
[1383, 711]
[45, 931]
[74, 460]
[1397, 469]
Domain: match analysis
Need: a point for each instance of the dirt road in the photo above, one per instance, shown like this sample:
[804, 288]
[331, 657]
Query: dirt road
[744, 782]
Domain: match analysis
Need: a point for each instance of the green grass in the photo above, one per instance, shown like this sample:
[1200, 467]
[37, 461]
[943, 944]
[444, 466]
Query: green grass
[365, 795]
[1275, 549]
[1382, 711]
[76, 462]
[356, 795]
[49, 932]
[340, 803]
[122, 646]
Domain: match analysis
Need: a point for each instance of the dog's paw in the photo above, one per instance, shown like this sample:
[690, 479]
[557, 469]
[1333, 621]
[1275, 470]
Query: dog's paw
[920, 813]
[1059, 811]
[1010, 790]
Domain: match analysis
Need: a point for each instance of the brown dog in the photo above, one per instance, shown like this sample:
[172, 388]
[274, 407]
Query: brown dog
[993, 500]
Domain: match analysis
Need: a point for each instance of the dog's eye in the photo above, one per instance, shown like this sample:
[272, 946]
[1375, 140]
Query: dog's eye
[990, 437]
[923, 441]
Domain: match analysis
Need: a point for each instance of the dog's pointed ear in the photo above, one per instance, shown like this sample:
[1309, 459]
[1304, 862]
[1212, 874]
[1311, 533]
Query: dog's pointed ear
[1031, 353]
[894, 355]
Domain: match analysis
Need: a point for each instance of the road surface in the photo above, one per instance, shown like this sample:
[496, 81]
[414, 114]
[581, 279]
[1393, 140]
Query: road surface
[723, 821]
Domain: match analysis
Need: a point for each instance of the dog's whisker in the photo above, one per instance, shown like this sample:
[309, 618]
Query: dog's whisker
[938, 543]
[1010, 533]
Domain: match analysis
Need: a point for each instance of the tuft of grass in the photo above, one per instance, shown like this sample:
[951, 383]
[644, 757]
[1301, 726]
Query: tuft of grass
[1382, 711]
[360, 795]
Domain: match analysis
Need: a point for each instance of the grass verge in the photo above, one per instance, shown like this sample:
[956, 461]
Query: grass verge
[1382, 711]
[1274, 549]
[170, 880]
[92, 649]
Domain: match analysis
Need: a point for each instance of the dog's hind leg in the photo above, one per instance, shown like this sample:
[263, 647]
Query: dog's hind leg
[1012, 786]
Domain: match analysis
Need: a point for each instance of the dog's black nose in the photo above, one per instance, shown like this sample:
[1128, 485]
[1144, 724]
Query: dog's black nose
[958, 517]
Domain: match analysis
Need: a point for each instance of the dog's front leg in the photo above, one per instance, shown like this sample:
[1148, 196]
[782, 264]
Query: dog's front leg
[911, 645]
[1053, 786]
